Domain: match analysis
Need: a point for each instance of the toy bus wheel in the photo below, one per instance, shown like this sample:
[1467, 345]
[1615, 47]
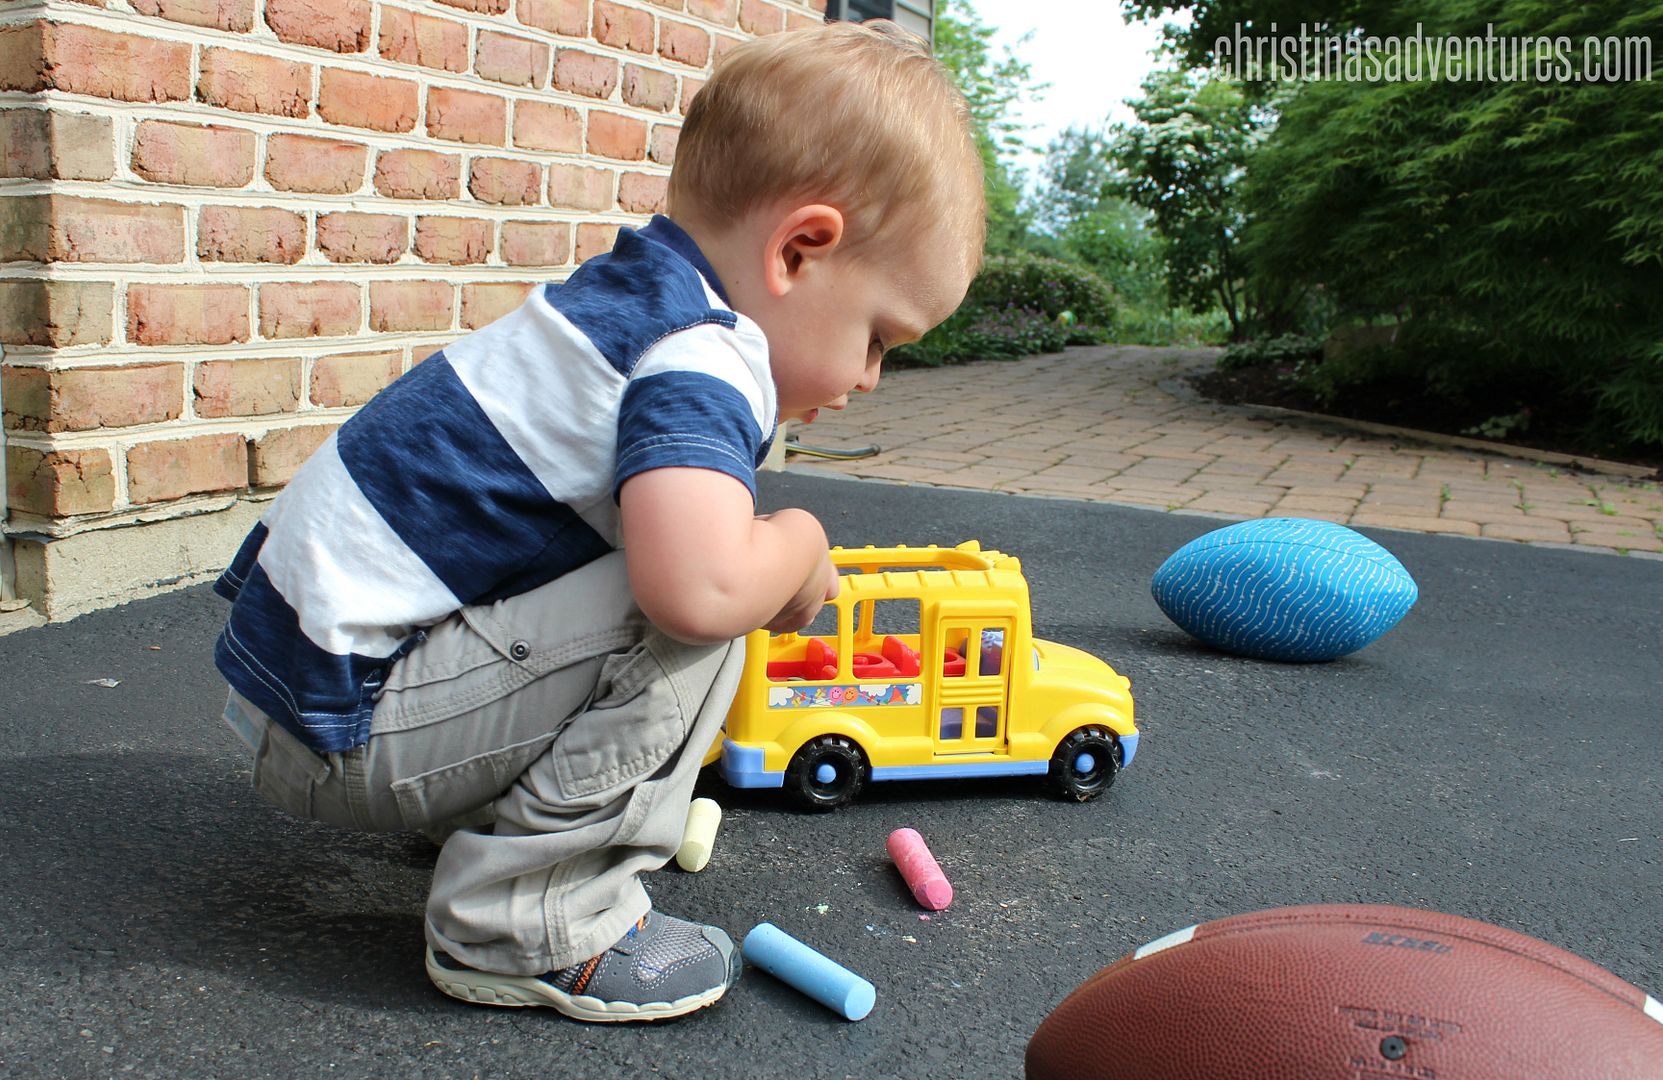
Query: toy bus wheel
[827, 773]
[1084, 765]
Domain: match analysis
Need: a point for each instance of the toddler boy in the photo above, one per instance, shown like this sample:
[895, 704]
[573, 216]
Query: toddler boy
[508, 597]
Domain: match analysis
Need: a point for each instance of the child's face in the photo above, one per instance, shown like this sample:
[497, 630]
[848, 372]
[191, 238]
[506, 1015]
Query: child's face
[827, 336]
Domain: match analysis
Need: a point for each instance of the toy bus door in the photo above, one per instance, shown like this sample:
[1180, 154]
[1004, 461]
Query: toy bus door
[975, 677]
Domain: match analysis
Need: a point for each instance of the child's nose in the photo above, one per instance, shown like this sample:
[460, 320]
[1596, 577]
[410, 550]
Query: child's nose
[869, 381]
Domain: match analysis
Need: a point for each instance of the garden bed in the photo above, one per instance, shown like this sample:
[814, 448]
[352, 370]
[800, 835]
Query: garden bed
[1563, 430]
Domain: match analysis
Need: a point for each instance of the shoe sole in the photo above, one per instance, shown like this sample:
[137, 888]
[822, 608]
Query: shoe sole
[527, 991]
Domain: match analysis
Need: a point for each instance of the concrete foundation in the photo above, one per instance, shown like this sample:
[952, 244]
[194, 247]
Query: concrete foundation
[68, 576]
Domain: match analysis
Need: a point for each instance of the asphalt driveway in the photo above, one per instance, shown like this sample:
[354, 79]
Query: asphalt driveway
[1495, 756]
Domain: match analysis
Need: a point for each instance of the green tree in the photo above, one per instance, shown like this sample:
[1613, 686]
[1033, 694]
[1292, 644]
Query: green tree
[1511, 230]
[1184, 161]
[993, 85]
[1244, 23]
[1084, 217]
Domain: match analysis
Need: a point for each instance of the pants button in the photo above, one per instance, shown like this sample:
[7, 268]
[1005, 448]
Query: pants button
[519, 650]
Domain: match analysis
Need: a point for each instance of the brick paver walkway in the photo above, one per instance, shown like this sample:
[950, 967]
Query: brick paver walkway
[1118, 424]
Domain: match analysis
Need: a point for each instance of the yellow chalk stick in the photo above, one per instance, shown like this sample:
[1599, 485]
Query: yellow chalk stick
[700, 835]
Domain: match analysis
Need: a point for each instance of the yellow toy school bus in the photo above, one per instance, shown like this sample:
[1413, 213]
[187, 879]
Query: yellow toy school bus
[929, 669]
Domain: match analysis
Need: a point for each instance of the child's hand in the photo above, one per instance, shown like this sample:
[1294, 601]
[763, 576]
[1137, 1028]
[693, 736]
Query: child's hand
[819, 589]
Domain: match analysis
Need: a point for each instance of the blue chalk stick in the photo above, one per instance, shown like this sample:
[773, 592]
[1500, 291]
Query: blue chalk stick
[821, 978]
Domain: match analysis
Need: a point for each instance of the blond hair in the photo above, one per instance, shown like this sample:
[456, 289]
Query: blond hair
[859, 116]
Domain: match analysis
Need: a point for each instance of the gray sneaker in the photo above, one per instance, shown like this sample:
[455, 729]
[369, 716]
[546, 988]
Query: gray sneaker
[663, 967]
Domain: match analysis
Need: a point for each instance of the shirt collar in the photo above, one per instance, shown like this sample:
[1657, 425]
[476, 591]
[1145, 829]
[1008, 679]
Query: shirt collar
[664, 231]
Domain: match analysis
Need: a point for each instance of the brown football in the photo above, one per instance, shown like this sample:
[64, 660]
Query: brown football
[1350, 992]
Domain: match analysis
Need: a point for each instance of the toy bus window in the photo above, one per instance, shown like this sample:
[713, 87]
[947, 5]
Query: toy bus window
[952, 723]
[952, 654]
[898, 616]
[989, 654]
[987, 721]
[813, 655]
[824, 625]
[886, 639]
[992, 661]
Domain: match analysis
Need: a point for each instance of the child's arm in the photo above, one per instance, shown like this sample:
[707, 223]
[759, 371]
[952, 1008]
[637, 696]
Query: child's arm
[704, 569]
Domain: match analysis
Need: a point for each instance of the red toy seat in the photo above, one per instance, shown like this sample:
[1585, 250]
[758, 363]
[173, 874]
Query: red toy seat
[872, 666]
[904, 657]
[952, 663]
[819, 661]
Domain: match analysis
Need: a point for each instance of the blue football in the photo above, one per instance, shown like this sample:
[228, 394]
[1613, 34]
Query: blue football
[1284, 589]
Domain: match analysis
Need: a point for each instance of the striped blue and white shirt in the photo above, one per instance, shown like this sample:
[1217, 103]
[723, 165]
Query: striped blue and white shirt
[489, 469]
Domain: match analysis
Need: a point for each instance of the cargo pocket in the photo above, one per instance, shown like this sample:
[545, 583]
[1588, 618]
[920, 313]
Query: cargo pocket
[453, 790]
[286, 772]
[460, 665]
[630, 729]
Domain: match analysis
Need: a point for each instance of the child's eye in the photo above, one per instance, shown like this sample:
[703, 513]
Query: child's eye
[877, 344]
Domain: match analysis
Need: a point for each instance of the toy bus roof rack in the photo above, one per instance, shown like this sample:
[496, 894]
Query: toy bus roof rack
[966, 556]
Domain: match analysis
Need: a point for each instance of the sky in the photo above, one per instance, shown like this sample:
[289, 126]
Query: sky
[1084, 49]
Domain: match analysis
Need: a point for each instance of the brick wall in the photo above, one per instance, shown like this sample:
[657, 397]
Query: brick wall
[224, 224]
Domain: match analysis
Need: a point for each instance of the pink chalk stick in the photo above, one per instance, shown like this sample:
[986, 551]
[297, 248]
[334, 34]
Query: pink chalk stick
[929, 885]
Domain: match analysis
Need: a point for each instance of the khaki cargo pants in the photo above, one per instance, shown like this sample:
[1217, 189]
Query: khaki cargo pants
[562, 720]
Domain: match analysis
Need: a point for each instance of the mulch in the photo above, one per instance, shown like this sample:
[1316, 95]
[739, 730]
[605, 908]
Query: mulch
[1553, 426]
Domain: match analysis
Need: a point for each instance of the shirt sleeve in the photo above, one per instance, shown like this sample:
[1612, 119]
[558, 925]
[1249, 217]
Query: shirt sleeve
[693, 403]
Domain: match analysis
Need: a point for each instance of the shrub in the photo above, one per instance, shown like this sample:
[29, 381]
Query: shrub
[1013, 332]
[1634, 397]
[1019, 305]
[1270, 352]
[1158, 324]
[1514, 227]
[1047, 286]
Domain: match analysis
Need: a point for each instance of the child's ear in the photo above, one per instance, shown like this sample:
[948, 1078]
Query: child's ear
[803, 238]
